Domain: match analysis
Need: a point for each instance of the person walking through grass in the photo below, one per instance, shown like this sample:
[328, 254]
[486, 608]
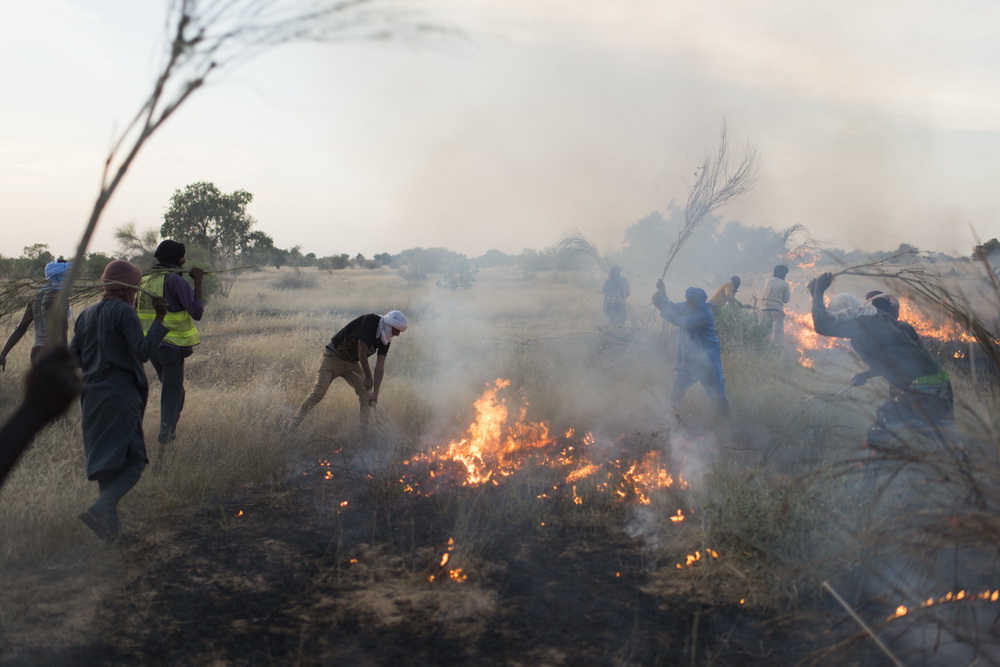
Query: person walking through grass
[699, 352]
[776, 294]
[109, 343]
[37, 311]
[184, 307]
[346, 356]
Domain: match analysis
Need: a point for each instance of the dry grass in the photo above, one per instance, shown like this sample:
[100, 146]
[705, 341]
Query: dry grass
[776, 491]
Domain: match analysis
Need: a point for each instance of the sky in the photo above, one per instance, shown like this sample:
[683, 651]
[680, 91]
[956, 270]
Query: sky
[877, 123]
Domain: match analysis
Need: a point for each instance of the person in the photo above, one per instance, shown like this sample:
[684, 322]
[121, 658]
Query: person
[346, 356]
[921, 393]
[699, 353]
[890, 304]
[726, 294]
[52, 384]
[184, 308]
[37, 310]
[776, 295]
[616, 293]
[111, 348]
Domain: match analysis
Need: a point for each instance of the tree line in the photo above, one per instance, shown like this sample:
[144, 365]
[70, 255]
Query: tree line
[218, 231]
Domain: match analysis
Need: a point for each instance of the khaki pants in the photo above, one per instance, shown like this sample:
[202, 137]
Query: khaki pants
[777, 319]
[332, 367]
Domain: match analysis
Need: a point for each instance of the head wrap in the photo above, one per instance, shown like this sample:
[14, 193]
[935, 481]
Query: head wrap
[735, 280]
[616, 270]
[780, 271]
[169, 251]
[846, 306]
[391, 320]
[695, 295]
[56, 271]
[887, 303]
[120, 278]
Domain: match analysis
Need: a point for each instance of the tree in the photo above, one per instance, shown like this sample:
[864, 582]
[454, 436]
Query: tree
[134, 245]
[214, 221]
[205, 36]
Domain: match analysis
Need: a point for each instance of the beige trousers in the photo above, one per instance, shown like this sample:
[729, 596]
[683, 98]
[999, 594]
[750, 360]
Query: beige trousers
[332, 367]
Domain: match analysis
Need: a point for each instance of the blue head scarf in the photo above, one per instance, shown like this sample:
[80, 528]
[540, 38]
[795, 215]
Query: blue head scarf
[696, 295]
[56, 271]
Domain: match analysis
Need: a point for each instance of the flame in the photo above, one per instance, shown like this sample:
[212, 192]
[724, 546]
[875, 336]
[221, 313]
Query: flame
[501, 442]
[442, 572]
[947, 331]
[240, 513]
[989, 595]
[696, 557]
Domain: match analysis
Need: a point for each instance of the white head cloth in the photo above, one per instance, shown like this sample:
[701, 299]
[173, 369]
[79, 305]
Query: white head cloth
[391, 320]
[846, 306]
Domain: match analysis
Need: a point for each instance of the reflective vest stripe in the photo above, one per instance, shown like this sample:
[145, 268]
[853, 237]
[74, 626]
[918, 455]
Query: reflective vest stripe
[180, 326]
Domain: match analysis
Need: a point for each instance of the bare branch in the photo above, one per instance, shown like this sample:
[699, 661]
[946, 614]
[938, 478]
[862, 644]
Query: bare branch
[204, 36]
[718, 183]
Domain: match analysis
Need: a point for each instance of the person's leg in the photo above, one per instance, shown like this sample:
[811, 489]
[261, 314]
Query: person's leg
[352, 373]
[777, 326]
[171, 373]
[682, 382]
[324, 376]
[715, 387]
[102, 517]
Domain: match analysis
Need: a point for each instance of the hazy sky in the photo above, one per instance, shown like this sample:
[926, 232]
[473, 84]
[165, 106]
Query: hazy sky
[877, 121]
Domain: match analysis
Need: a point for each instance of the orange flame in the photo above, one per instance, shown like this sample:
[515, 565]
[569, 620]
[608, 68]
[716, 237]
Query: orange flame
[501, 442]
[984, 596]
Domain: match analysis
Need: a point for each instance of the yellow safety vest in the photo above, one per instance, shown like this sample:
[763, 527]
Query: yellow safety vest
[180, 326]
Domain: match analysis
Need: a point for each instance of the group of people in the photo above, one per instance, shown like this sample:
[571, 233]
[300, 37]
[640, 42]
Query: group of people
[920, 394]
[699, 351]
[150, 318]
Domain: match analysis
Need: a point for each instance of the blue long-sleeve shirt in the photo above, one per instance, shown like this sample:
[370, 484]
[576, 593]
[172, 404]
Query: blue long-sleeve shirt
[699, 342]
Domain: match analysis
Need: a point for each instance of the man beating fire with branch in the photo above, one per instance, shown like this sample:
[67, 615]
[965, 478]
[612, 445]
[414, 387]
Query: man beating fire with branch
[699, 352]
[921, 392]
[346, 356]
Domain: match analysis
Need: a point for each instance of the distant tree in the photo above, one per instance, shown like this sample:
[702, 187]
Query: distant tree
[93, 265]
[37, 252]
[459, 273]
[415, 264]
[382, 259]
[494, 257]
[987, 250]
[217, 222]
[136, 246]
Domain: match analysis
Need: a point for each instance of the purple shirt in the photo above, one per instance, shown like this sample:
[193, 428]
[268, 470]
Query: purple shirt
[180, 296]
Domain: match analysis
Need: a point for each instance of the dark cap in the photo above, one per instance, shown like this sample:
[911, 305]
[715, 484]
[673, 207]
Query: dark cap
[169, 251]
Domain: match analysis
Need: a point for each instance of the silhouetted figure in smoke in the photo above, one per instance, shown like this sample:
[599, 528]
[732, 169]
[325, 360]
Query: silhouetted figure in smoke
[921, 394]
[51, 386]
[776, 294]
[616, 293]
[699, 353]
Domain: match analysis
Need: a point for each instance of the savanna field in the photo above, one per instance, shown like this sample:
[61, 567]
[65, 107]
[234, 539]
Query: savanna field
[527, 498]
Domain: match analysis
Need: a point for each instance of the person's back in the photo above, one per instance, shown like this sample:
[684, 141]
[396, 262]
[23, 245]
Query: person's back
[776, 293]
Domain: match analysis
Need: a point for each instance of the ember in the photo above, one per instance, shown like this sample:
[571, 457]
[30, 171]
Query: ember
[984, 596]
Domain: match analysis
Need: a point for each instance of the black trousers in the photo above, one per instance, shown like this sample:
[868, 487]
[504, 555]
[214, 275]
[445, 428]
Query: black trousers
[169, 365]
